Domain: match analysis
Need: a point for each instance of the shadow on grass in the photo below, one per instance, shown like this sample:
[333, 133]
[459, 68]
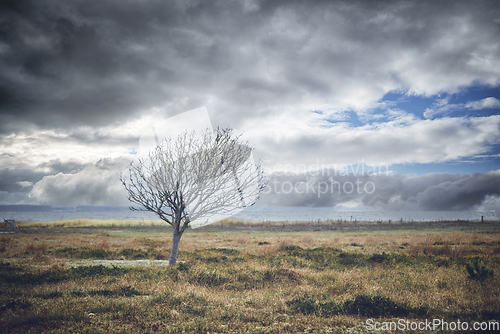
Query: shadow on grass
[363, 305]
[58, 275]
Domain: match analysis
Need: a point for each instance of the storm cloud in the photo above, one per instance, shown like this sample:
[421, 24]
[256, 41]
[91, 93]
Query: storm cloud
[385, 191]
[355, 186]
[304, 81]
[73, 63]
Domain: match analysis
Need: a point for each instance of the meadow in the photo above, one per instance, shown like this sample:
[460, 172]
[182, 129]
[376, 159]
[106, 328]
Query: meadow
[102, 276]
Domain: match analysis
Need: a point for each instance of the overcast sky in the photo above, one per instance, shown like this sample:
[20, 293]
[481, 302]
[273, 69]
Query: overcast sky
[410, 86]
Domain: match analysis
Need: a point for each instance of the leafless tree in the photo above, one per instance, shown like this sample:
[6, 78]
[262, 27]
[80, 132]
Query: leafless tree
[191, 179]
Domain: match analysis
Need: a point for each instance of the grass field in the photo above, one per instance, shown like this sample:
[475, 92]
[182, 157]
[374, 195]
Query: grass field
[114, 277]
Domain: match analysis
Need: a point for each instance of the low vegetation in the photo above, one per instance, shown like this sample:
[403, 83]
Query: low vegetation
[110, 280]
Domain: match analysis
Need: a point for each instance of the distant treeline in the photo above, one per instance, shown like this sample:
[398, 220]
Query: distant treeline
[93, 208]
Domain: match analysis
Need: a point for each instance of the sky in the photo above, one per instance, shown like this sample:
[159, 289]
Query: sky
[391, 105]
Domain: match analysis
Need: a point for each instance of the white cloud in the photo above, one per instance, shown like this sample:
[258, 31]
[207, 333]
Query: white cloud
[487, 103]
[489, 204]
[96, 184]
[442, 108]
[34, 148]
[25, 184]
[281, 141]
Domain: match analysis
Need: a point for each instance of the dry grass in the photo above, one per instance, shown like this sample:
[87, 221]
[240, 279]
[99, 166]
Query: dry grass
[83, 222]
[103, 244]
[35, 247]
[234, 282]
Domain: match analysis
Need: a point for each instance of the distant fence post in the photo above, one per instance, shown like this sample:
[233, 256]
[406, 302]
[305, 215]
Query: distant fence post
[9, 223]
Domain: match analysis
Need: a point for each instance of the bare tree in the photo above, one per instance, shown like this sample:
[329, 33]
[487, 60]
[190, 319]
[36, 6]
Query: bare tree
[191, 179]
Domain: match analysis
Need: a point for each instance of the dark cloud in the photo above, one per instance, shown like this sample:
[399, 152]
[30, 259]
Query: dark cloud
[10, 179]
[16, 181]
[80, 62]
[73, 60]
[76, 75]
[383, 191]
[56, 166]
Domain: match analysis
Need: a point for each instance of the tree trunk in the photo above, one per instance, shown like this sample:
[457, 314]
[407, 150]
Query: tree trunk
[175, 247]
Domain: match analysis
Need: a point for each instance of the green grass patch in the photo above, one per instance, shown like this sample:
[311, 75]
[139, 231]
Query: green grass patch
[135, 254]
[101, 254]
[478, 272]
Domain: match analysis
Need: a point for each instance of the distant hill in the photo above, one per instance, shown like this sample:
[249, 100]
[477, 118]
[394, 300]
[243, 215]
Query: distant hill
[23, 207]
[101, 208]
[84, 208]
